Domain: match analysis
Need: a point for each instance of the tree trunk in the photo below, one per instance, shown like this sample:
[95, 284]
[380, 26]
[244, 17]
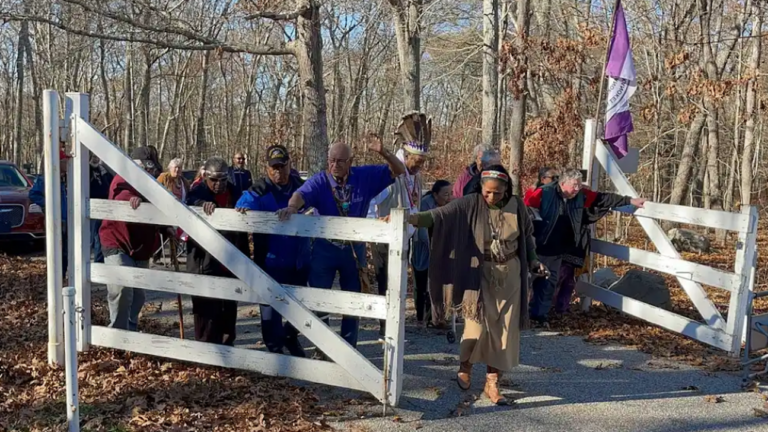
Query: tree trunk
[749, 128]
[36, 94]
[200, 141]
[519, 80]
[490, 72]
[128, 139]
[142, 111]
[683, 176]
[18, 138]
[105, 88]
[408, 32]
[309, 53]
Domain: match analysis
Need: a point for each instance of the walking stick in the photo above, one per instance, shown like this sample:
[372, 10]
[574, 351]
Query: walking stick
[175, 262]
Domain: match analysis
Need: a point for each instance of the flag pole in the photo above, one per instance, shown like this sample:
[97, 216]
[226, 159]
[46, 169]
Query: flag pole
[590, 173]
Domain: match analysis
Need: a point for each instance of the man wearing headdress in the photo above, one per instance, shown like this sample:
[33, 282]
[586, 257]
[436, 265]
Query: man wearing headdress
[412, 136]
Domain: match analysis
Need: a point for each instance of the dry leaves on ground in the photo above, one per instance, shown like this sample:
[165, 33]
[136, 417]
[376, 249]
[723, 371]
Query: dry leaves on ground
[120, 391]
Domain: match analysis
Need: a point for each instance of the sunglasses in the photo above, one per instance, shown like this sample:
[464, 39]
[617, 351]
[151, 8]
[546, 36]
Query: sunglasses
[217, 179]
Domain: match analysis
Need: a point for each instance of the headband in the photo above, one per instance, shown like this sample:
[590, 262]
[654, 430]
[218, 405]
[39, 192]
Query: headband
[416, 148]
[495, 175]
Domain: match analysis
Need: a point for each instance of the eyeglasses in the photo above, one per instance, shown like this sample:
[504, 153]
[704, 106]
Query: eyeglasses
[338, 161]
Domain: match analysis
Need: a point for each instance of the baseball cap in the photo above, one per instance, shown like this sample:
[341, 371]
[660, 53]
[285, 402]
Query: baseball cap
[146, 155]
[277, 155]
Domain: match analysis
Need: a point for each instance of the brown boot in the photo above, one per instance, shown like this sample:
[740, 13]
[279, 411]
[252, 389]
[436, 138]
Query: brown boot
[464, 376]
[492, 386]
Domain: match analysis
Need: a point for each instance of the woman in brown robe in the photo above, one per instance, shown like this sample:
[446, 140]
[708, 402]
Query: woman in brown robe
[482, 250]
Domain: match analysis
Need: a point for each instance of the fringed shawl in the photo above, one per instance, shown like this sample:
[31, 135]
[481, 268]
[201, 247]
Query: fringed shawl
[456, 257]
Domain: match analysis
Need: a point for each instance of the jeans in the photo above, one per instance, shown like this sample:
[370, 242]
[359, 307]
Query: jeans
[326, 260]
[125, 303]
[272, 329]
[421, 295]
[566, 282]
[96, 241]
[544, 289]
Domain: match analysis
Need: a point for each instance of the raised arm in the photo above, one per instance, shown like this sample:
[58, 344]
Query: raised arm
[395, 166]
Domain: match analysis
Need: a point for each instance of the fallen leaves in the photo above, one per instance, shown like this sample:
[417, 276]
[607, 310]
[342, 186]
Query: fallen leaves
[123, 391]
[714, 399]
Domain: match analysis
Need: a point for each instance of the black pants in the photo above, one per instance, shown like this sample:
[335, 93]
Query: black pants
[215, 320]
[380, 255]
[421, 295]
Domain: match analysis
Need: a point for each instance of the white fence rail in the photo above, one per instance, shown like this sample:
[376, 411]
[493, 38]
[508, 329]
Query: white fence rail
[349, 368]
[715, 331]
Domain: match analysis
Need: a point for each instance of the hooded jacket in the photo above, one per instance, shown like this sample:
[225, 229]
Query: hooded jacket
[139, 241]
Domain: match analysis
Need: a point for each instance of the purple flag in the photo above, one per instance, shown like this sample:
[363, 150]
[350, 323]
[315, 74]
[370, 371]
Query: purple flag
[622, 82]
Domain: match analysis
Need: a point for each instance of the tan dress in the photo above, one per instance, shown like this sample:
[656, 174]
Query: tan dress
[496, 340]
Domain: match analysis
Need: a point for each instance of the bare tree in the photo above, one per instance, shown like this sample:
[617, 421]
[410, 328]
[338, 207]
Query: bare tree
[751, 98]
[519, 92]
[490, 72]
[407, 15]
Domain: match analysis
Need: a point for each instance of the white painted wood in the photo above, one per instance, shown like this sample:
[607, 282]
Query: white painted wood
[53, 226]
[746, 260]
[224, 356]
[662, 318]
[354, 229]
[240, 265]
[81, 236]
[691, 215]
[676, 267]
[316, 299]
[70, 198]
[394, 339]
[694, 290]
[70, 362]
[592, 166]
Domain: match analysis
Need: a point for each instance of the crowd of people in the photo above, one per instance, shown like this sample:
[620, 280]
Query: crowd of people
[496, 259]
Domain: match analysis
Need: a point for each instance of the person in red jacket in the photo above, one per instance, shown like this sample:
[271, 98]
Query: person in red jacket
[566, 208]
[129, 245]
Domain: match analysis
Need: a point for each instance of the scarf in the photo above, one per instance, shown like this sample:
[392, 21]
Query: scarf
[457, 254]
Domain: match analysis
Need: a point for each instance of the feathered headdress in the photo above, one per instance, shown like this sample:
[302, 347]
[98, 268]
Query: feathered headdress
[414, 133]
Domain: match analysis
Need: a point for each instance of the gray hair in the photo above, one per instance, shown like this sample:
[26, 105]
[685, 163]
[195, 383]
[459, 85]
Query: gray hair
[340, 144]
[490, 157]
[174, 162]
[480, 148]
[570, 174]
[215, 165]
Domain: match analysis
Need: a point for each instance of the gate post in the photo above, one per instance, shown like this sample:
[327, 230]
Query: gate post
[78, 106]
[52, 177]
[589, 162]
[746, 258]
[394, 339]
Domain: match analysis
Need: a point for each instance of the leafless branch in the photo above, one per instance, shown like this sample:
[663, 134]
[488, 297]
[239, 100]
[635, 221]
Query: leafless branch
[212, 45]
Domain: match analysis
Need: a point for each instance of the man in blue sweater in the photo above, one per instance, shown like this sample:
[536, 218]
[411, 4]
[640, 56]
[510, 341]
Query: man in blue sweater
[284, 258]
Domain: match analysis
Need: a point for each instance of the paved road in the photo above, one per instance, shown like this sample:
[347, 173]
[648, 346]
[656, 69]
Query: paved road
[563, 384]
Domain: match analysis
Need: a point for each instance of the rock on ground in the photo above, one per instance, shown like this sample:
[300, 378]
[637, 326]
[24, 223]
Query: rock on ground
[688, 241]
[646, 287]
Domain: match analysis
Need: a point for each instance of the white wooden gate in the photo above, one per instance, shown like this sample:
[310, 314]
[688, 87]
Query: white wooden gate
[349, 368]
[714, 330]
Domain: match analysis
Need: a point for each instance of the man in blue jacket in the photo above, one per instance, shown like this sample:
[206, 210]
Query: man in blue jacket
[37, 196]
[284, 258]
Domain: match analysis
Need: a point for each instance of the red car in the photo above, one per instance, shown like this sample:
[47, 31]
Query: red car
[20, 219]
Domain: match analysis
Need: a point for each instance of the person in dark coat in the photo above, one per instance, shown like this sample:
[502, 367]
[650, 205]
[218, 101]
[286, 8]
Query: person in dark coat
[239, 176]
[284, 258]
[565, 208]
[215, 319]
